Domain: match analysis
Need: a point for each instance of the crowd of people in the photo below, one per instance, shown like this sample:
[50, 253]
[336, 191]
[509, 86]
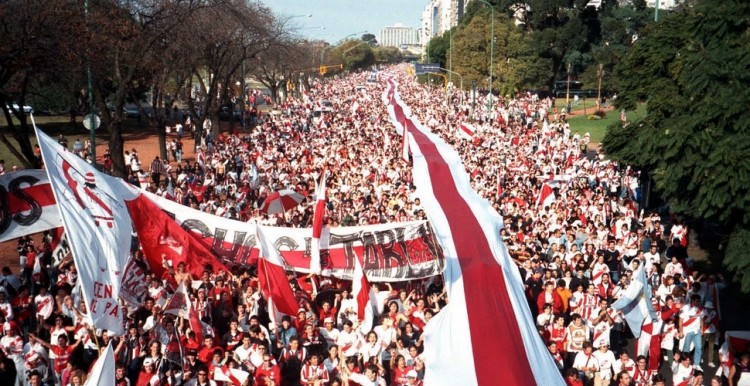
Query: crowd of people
[577, 254]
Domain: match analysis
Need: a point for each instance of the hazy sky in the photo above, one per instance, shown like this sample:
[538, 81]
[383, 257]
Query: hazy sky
[344, 17]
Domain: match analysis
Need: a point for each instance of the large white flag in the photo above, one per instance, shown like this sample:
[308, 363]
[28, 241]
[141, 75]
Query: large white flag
[97, 225]
[103, 372]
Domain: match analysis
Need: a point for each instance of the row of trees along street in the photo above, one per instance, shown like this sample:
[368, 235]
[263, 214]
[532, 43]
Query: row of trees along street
[194, 51]
[689, 68]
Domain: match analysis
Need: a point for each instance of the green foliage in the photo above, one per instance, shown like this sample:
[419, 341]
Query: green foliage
[692, 70]
[387, 54]
[437, 49]
[356, 54]
[736, 258]
[515, 65]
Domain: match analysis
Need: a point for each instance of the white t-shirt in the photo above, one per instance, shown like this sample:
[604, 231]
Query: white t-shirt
[691, 319]
[582, 360]
[606, 360]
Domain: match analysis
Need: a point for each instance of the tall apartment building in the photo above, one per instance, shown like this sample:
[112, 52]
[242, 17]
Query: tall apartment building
[398, 35]
[440, 16]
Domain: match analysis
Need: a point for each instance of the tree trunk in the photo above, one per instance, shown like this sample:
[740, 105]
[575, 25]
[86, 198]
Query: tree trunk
[116, 148]
[24, 152]
[157, 103]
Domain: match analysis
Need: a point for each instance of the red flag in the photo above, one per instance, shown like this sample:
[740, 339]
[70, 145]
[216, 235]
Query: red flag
[546, 196]
[320, 208]
[272, 278]
[165, 244]
[361, 291]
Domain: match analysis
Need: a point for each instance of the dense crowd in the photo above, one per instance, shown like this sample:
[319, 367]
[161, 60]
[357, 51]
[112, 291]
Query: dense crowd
[576, 254]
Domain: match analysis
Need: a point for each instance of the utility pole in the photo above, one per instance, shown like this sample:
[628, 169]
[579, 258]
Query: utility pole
[656, 11]
[90, 90]
[600, 74]
[492, 48]
[567, 89]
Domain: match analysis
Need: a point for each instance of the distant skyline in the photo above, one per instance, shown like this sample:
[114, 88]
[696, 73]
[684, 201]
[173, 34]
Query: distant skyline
[345, 17]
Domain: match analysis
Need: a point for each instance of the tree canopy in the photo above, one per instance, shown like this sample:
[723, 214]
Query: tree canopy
[691, 69]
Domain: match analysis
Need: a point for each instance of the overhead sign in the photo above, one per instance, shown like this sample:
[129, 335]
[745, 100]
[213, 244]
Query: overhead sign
[423, 68]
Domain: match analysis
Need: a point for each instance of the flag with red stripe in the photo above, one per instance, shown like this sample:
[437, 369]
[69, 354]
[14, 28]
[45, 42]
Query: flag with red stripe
[272, 277]
[361, 291]
[462, 343]
[318, 214]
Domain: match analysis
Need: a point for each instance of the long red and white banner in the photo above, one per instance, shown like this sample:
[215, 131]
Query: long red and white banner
[26, 204]
[391, 252]
[487, 326]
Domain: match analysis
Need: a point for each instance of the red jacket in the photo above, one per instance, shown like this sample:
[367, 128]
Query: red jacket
[557, 303]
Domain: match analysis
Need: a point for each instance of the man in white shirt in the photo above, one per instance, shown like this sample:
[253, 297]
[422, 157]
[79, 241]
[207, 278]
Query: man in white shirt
[690, 327]
[606, 359]
[586, 361]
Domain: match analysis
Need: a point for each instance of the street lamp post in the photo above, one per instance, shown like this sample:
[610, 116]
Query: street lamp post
[492, 46]
[90, 90]
[473, 98]
[567, 91]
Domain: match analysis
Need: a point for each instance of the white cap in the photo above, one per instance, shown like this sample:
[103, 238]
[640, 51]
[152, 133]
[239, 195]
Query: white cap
[709, 304]
[148, 361]
[411, 374]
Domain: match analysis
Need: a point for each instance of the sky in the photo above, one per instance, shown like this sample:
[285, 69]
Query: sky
[345, 17]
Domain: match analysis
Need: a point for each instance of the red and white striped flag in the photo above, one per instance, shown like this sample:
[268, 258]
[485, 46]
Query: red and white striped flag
[484, 287]
[318, 214]
[735, 342]
[546, 196]
[361, 291]
[465, 131]
[272, 276]
[180, 305]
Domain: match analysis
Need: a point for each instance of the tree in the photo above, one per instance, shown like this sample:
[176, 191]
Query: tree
[369, 38]
[691, 69]
[245, 30]
[35, 43]
[437, 49]
[516, 65]
[355, 54]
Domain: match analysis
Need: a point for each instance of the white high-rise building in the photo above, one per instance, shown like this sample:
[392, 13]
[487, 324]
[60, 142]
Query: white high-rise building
[398, 35]
[440, 16]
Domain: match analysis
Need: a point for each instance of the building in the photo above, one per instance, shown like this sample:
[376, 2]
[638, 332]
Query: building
[397, 36]
[440, 16]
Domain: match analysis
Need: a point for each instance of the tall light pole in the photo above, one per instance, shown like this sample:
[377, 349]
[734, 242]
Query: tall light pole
[450, 54]
[492, 46]
[90, 87]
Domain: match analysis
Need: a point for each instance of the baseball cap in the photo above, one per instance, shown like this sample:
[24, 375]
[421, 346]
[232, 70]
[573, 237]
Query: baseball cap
[411, 374]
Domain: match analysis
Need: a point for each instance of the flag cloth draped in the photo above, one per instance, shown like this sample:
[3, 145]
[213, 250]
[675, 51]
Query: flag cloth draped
[180, 305]
[31, 204]
[91, 205]
[735, 342]
[546, 196]
[635, 303]
[465, 131]
[165, 244]
[488, 321]
[362, 292]
[103, 371]
[319, 213]
[272, 278]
